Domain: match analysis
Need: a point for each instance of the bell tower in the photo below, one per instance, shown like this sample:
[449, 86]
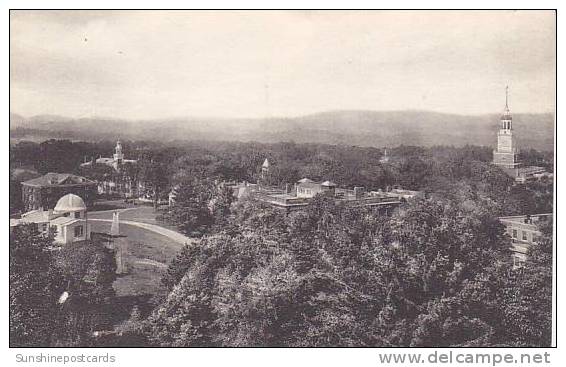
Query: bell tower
[507, 154]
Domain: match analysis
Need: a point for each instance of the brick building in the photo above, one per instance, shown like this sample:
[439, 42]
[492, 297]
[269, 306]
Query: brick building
[45, 191]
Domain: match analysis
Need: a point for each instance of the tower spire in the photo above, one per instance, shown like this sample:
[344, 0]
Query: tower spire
[506, 116]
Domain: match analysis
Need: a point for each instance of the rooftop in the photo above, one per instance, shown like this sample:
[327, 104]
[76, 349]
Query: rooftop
[531, 170]
[526, 219]
[35, 216]
[64, 220]
[305, 180]
[58, 179]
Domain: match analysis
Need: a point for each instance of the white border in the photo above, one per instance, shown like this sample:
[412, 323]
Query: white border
[258, 357]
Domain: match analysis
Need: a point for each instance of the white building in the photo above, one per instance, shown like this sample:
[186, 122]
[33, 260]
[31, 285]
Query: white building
[506, 155]
[524, 231]
[116, 161]
[68, 220]
[120, 181]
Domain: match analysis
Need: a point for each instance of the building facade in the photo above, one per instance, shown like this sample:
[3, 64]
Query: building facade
[524, 232]
[306, 188]
[43, 192]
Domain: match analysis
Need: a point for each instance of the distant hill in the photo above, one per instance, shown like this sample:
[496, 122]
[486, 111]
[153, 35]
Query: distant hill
[363, 128]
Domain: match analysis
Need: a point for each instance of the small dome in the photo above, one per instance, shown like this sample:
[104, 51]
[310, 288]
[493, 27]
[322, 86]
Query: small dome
[70, 203]
[328, 183]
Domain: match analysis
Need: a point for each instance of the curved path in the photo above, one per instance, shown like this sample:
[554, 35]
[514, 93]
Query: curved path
[175, 236]
[121, 210]
[151, 263]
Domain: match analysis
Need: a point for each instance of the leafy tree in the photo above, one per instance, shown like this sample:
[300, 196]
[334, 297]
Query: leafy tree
[191, 211]
[89, 270]
[35, 286]
[220, 204]
[527, 296]
[179, 266]
[15, 200]
[153, 173]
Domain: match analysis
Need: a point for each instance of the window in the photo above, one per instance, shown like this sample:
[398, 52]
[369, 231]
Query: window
[517, 261]
[525, 236]
[79, 231]
[514, 233]
[77, 214]
[44, 229]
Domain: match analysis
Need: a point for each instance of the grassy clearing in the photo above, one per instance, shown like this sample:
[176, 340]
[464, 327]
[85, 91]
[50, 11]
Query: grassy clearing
[139, 243]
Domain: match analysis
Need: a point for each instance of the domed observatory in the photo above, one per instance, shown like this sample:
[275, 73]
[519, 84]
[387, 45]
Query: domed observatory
[71, 223]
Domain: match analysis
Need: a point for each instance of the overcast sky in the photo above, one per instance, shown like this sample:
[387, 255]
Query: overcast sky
[152, 64]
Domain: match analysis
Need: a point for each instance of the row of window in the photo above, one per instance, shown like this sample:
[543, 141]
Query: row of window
[306, 191]
[77, 215]
[524, 235]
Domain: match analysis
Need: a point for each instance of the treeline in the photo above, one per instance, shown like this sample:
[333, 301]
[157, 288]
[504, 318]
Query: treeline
[441, 170]
[346, 165]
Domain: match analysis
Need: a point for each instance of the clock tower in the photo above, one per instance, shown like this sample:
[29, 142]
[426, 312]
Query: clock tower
[507, 154]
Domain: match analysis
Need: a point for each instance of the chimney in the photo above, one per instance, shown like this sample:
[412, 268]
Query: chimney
[358, 192]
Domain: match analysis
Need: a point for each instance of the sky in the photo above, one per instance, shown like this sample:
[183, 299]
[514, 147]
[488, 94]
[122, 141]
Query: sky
[164, 64]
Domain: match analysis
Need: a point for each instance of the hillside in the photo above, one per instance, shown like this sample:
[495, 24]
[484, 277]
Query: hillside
[363, 128]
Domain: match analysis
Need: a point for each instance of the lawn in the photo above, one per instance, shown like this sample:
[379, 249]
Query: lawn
[138, 245]
[139, 213]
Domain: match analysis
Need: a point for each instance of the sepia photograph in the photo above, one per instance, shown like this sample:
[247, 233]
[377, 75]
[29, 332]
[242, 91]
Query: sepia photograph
[282, 178]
